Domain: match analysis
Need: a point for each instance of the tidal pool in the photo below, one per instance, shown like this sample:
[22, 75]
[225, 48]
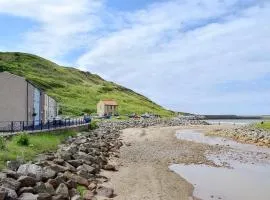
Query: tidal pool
[248, 177]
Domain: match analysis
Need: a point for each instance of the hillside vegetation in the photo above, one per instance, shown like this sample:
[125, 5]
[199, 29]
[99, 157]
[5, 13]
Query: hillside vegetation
[77, 91]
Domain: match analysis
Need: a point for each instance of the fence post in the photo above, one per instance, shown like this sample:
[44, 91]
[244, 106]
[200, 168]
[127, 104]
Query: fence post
[23, 126]
[41, 125]
[33, 127]
[48, 124]
[69, 122]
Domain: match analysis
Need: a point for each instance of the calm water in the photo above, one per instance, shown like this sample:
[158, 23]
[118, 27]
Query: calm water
[234, 121]
[247, 178]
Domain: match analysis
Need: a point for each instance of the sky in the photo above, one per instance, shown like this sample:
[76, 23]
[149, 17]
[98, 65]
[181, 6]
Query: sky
[198, 56]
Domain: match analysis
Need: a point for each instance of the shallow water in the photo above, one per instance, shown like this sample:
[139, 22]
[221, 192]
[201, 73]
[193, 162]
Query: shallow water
[248, 177]
[199, 137]
[245, 183]
[234, 121]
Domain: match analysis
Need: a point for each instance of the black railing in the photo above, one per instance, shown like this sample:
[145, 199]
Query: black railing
[19, 126]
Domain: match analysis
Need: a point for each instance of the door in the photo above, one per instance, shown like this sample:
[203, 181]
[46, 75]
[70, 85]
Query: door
[36, 112]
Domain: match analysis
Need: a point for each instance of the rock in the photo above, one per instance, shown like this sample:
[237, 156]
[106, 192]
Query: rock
[65, 155]
[60, 179]
[10, 183]
[59, 161]
[27, 181]
[72, 149]
[87, 168]
[58, 168]
[26, 190]
[49, 188]
[59, 197]
[31, 170]
[3, 194]
[72, 192]
[10, 194]
[13, 164]
[109, 167]
[62, 190]
[75, 163]
[71, 184]
[85, 174]
[69, 167]
[88, 195]
[28, 196]
[2, 176]
[48, 173]
[92, 186]
[11, 174]
[76, 197]
[44, 196]
[105, 192]
[40, 188]
[53, 182]
[76, 178]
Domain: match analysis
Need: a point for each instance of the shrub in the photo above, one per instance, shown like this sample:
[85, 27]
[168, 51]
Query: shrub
[2, 143]
[23, 140]
[93, 125]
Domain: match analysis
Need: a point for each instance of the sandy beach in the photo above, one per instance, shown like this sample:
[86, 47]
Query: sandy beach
[143, 171]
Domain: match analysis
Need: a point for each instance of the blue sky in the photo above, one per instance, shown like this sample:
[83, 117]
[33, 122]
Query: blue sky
[200, 56]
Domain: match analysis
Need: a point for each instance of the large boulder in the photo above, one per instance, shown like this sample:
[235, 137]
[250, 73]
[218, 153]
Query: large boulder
[31, 170]
[27, 181]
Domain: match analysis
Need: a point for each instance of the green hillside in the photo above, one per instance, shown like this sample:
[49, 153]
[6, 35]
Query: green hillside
[75, 90]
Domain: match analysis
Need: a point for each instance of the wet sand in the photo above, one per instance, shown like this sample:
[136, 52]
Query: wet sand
[145, 159]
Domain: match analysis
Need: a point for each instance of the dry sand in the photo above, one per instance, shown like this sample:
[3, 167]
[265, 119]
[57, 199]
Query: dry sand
[144, 160]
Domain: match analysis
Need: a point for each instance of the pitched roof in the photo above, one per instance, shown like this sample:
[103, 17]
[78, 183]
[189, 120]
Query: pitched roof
[109, 102]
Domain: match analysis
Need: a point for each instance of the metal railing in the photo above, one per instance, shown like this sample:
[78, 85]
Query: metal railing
[19, 126]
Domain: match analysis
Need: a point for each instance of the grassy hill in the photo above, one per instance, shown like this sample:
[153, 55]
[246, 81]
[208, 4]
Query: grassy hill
[75, 90]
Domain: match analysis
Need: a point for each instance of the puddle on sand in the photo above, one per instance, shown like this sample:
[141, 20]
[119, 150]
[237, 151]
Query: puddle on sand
[227, 184]
[248, 180]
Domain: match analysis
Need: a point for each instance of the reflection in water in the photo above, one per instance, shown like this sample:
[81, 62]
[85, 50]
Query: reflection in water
[248, 178]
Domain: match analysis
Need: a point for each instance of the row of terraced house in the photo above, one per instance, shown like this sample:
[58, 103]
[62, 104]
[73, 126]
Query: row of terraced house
[21, 100]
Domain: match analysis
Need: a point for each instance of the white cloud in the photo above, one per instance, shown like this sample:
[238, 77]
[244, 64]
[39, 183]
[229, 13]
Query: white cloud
[176, 52]
[63, 25]
[174, 66]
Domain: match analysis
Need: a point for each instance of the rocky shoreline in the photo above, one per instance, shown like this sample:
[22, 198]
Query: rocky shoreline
[56, 176]
[245, 134]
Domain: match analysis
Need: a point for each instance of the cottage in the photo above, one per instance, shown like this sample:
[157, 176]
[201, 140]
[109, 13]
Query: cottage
[21, 100]
[107, 107]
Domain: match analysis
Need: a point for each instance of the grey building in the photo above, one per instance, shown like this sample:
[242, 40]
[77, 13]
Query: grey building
[21, 100]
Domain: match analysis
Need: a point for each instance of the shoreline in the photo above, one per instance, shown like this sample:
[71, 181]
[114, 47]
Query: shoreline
[95, 162]
[143, 165]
